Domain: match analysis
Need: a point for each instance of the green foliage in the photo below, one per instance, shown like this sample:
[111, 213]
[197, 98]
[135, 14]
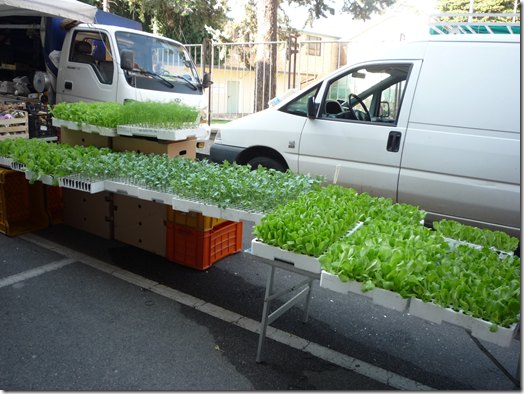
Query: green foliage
[226, 185]
[480, 7]
[309, 224]
[483, 237]
[168, 115]
[391, 255]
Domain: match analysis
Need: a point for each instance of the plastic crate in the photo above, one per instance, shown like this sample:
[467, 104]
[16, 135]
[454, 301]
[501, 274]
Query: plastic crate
[200, 249]
[40, 122]
[193, 219]
[54, 204]
[22, 206]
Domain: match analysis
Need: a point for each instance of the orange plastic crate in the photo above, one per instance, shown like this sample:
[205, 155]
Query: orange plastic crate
[200, 249]
[193, 219]
[22, 207]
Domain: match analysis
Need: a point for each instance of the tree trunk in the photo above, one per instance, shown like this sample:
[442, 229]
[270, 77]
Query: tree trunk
[266, 59]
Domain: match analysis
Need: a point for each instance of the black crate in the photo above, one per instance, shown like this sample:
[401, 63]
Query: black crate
[40, 123]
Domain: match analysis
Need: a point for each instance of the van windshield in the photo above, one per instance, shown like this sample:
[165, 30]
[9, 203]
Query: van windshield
[157, 56]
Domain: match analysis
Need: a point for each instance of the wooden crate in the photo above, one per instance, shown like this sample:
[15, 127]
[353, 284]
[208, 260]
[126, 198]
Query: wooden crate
[14, 128]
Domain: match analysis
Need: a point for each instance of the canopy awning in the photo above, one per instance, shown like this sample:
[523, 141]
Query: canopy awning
[55, 8]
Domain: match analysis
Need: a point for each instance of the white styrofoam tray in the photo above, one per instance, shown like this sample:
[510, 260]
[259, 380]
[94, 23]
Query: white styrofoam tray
[301, 261]
[237, 215]
[385, 298]
[479, 328]
[454, 243]
[121, 188]
[151, 195]
[65, 123]
[17, 166]
[5, 162]
[184, 205]
[104, 131]
[89, 187]
[161, 134]
[45, 179]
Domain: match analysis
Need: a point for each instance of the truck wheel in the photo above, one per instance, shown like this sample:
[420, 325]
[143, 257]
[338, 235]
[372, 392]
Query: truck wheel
[266, 162]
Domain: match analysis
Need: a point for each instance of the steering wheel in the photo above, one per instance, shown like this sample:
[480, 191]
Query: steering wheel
[352, 112]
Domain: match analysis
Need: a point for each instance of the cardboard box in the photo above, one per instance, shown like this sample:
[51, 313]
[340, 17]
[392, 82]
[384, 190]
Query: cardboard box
[185, 148]
[77, 137]
[89, 212]
[140, 223]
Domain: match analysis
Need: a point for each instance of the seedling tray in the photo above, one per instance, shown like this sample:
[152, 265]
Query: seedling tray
[5, 162]
[300, 261]
[121, 188]
[66, 123]
[85, 186]
[237, 215]
[161, 134]
[479, 328]
[385, 298]
[185, 205]
[104, 131]
[454, 243]
[45, 179]
[151, 195]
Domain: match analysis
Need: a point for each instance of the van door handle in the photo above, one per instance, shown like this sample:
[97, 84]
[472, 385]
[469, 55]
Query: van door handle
[394, 141]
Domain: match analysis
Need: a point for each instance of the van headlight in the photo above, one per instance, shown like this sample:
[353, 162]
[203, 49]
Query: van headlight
[218, 137]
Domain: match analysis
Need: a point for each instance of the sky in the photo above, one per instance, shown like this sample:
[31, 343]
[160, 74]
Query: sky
[335, 25]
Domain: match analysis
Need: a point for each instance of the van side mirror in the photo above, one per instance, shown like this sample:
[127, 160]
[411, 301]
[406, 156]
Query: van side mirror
[206, 80]
[127, 60]
[311, 108]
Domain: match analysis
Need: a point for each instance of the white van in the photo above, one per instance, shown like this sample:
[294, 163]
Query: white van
[432, 123]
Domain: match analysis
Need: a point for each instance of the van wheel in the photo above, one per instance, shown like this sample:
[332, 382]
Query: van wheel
[267, 162]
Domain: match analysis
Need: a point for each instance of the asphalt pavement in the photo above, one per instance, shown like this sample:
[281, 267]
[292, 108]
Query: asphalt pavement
[80, 312]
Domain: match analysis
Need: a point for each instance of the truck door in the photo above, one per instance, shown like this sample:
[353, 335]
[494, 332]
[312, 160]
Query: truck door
[360, 127]
[87, 71]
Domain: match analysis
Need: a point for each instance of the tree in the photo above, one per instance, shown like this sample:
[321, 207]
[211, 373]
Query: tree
[267, 31]
[172, 18]
[479, 6]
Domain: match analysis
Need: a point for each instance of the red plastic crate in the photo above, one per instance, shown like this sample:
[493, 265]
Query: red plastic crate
[200, 249]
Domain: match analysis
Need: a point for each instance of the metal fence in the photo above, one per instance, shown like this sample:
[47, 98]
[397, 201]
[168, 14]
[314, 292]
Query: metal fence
[234, 91]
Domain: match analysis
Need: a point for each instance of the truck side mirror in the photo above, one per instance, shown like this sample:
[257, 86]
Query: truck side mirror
[206, 80]
[127, 59]
[311, 108]
[384, 109]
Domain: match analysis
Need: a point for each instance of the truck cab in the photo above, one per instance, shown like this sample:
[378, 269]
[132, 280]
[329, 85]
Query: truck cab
[90, 68]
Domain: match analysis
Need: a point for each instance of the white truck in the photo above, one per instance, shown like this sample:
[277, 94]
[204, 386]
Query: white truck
[97, 62]
[433, 123]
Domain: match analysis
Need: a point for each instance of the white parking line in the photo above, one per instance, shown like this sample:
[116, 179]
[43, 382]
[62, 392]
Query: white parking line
[322, 352]
[11, 280]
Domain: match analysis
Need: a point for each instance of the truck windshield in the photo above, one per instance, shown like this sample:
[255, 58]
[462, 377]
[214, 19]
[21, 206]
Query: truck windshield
[157, 56]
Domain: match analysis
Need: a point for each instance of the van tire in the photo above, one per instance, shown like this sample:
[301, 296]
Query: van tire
[267, 162]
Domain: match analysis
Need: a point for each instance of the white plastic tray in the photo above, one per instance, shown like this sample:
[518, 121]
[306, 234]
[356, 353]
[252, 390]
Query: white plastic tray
[45, 179]
[183, 205]
[150, 195]
[454, 243]
[379, 296]
[89, 187]
[479, 328]
[121, 188]
[301, 261]
[161, 134]
[5, 162]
